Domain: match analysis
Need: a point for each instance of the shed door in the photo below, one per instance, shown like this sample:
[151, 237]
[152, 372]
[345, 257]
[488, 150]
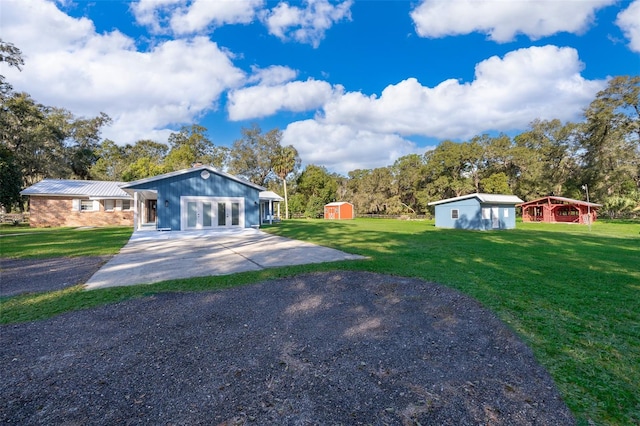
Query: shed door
[495, 217]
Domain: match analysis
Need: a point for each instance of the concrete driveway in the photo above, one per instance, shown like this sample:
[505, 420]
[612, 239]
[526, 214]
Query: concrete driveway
[152, 256]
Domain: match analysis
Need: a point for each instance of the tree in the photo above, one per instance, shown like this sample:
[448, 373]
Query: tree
[10, 179]
[448, 170]
[611, 140]
[35, 134]
[143, 167]
[544, 160]
[190, 146]
[317, 187]
[409, 178]
[11, 55]
[285, 162]
[83, 141]
[497, 183]
[252, 155]
[155, 151]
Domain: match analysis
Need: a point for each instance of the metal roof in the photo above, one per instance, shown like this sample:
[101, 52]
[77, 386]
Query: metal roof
[484, 198]
[80, 188]
[270, 196]
[563, 199]
[337, 203]
[185, 171]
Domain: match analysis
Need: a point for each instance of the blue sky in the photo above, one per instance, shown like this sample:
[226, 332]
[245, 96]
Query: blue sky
[352, 84]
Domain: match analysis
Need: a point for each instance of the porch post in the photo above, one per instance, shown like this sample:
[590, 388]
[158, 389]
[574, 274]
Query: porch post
[270, 212]
[135, 210]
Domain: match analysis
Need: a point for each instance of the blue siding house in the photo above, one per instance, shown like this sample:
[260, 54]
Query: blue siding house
[477, 211]
[198, 198]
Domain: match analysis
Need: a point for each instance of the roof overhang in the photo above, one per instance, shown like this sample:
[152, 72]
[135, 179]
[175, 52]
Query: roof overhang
[269, 196]
[132, 185]
[482, 198]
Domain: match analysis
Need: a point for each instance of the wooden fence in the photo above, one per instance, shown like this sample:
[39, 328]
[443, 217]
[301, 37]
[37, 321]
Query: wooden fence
[15, 218]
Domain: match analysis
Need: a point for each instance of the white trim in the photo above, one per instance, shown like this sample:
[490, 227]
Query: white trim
[132, 185]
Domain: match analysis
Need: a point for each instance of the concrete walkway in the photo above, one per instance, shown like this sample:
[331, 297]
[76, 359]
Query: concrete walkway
[153, 256]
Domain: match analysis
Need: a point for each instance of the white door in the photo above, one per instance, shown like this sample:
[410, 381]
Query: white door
[495, 217]
[211, 212]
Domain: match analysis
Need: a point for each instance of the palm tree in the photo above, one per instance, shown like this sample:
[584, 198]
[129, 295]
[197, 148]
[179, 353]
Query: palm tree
[285, 161]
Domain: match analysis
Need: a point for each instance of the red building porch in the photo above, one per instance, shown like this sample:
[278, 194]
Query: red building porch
[559, 209]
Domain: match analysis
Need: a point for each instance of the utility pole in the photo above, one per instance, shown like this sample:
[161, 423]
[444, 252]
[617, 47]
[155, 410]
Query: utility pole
[586, 188]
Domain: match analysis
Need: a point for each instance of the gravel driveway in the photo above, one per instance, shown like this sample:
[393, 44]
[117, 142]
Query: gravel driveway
[19, 276]
[326, 348]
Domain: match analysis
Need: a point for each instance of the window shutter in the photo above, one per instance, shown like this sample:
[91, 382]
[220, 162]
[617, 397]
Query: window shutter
[76, 205]
[96, 205]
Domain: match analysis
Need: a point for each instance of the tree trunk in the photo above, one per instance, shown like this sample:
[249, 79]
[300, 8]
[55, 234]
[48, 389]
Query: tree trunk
[286, 199]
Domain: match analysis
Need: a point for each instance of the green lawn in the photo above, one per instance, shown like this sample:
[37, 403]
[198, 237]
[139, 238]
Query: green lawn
[25, 242]
[571, 293]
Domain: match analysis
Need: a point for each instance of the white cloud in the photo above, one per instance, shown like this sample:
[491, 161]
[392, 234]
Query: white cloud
[202, 14]
[306, 25]
[629, 21]
[342, 148]
[264, 100]
[68, 65]
[301, 24]
[193, 16]
[502, 20]
[507, 94]
[153, 13]
[273, 75]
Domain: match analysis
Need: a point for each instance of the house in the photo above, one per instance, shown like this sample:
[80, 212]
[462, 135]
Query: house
[339, 211]
[553, 209]
[477, 211]
[197, 198]
[60, 202]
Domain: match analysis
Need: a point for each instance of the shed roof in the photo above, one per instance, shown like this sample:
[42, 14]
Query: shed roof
[270, 196]
[337, 203]
[483, 198]
[194, 169]
[562, 199]
[95, 189]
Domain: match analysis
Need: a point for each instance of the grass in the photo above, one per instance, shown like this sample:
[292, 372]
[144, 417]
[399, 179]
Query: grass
[571, 293]
[25, 242]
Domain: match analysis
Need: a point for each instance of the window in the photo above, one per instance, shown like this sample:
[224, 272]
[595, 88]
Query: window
[86, 205]
[109, 205]
[454, 213]
[126, 204]
[506, 212]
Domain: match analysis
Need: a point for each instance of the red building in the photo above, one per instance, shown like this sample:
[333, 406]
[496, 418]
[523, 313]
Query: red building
[339, 211]
[559, 209]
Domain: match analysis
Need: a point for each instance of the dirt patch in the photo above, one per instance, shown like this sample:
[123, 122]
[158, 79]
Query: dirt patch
[326, 348]
[37, 275]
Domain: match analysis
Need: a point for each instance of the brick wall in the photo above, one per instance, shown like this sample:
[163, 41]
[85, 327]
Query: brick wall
[58, 211]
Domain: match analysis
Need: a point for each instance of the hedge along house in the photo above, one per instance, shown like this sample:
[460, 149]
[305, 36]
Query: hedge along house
[60, 202]
[197, 198]
[477, 212]
[553, 209]
[339, 210]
